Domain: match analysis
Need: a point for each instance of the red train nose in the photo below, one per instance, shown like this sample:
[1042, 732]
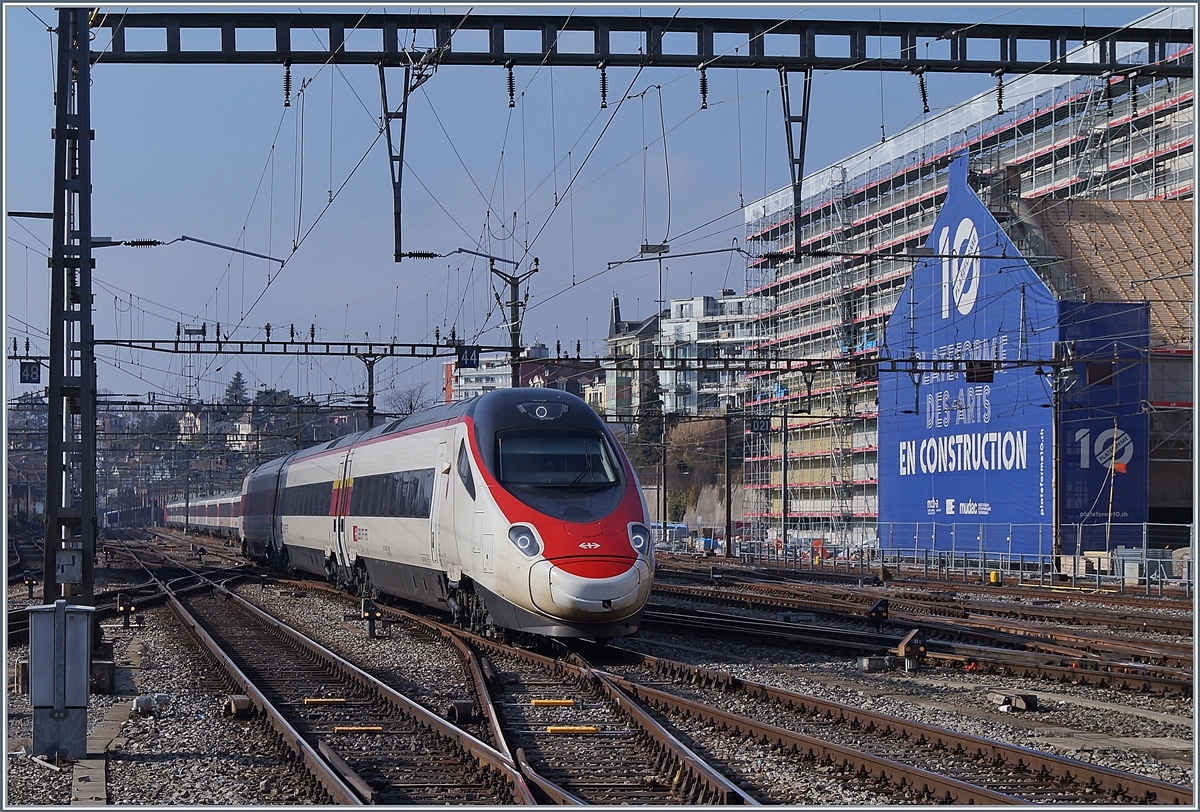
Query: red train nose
[594, 567]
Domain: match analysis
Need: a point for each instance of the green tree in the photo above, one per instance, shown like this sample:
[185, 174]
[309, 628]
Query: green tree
[235, 393]
[275, 397]
[645, 448]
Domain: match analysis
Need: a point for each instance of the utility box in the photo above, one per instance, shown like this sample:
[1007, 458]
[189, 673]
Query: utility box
[60, 659]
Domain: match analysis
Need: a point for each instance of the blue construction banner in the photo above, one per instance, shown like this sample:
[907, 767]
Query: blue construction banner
[969, 445]
[1104, 425]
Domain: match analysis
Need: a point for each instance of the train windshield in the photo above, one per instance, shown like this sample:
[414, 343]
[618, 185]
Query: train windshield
[551, 459]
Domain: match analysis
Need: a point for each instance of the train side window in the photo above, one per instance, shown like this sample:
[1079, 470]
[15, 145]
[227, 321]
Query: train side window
[464, 469]
[373, 505]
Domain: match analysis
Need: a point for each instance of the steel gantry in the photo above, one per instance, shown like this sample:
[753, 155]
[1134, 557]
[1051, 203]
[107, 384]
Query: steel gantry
[795, 48]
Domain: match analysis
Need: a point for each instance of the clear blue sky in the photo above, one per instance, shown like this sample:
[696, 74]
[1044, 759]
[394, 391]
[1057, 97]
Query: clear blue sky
[210, 151]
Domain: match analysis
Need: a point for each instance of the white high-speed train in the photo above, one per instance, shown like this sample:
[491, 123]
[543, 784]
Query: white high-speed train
[514, 510]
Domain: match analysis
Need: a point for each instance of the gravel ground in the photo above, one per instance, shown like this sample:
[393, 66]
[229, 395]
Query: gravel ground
[190, 754]
[426, 671]
[959, 701]
[187, 753]
[405, 659]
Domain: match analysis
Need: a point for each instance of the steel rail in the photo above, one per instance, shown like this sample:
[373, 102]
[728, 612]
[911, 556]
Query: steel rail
[943, 788]
[466, 654]
[1075, 668]
[961, 628]
[479, 680]
[1134, 679]
[962, 608]
[484, 753]
[319, 767]
[694, 770]
[1113, 781]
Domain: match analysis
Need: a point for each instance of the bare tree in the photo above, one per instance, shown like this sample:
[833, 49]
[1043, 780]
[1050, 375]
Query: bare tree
[403, 402]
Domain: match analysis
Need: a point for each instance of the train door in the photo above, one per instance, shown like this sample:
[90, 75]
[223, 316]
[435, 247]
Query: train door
[342, 489]
[441, 488]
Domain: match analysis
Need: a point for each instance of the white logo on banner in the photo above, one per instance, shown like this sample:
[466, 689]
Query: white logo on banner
[960, 267]
[1112, 446]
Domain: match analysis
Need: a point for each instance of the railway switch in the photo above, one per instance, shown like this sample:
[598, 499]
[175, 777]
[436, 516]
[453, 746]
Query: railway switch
[878, 613]
[460, 711]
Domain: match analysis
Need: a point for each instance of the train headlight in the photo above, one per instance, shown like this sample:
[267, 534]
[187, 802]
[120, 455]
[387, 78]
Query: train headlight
[523, 536]
[639, 538]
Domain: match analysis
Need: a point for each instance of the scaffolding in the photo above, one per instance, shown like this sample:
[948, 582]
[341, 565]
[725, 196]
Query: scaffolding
[1115, 137]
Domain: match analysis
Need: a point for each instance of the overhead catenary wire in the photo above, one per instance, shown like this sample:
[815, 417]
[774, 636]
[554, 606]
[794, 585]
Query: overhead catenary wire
[555, 179]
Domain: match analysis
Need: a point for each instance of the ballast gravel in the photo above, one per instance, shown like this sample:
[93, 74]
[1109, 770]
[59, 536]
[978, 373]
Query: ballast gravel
[188, 753]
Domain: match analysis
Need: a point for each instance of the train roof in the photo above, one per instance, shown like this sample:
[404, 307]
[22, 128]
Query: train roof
[228, 496]
[436, 414]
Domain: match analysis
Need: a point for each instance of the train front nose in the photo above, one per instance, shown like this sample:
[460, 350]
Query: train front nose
[604, 589]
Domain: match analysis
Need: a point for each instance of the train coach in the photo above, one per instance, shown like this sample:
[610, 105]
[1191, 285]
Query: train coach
[516, 510]
[219, 515]
[142, 516]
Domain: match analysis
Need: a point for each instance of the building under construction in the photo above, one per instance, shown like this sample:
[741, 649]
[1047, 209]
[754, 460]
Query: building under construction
[1091, 179]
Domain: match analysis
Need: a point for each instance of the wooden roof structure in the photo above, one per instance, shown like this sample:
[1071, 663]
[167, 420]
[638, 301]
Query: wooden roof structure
[1128, 251]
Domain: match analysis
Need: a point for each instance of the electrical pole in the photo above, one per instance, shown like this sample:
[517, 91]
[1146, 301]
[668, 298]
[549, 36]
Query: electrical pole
[728, 492]
[71, 441]
[514, 314]
[784, 494]
[370, 360]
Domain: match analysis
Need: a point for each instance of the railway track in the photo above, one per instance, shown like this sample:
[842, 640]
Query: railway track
[953, 622]
[585, 742]
[897, 758]
[1071, 667]
[852, 600]
[1032, 591]
[575, 738]
[383, 747]
[941, 766]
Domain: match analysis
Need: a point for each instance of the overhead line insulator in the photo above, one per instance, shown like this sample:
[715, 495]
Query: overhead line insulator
[603, 85]
[512, 85]
[703, 87]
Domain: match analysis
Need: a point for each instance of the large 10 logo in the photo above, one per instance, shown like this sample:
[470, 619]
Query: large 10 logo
[960, 267]
[1113, 447]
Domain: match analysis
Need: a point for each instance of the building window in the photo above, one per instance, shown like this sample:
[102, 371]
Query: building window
[1100, 374]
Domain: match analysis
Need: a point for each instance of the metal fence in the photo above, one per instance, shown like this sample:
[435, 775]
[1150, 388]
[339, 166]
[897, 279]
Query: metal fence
[1149, 558]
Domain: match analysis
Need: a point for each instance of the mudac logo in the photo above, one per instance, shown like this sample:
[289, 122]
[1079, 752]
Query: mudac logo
[960, 267]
